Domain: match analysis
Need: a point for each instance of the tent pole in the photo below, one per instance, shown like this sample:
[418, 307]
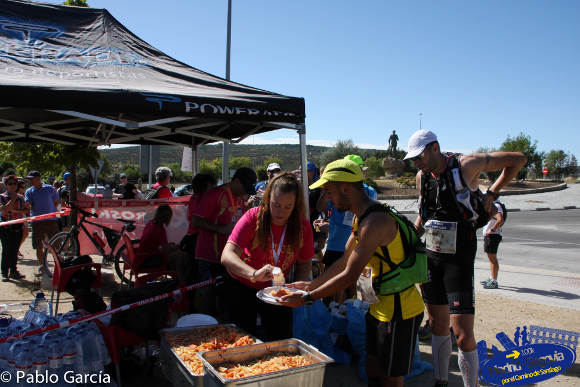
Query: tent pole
[150, 165]
[302, 137]
[195, 160]
[226, 163]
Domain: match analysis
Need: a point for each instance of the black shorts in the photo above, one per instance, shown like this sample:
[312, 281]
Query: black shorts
[450, 282]
[392, 343]
[491, 243]
[331, 256]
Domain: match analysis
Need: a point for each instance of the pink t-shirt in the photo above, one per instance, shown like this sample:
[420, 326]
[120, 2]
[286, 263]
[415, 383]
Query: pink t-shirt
[220, 207]
[153, 237]
[244, 236]
[192, 209]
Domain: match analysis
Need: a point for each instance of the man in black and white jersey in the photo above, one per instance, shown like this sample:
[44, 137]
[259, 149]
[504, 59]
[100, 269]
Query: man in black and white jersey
[448, 186]
[491, 239]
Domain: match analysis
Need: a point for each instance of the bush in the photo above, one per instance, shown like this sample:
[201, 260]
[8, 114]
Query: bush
[375, 168]
[406, 182]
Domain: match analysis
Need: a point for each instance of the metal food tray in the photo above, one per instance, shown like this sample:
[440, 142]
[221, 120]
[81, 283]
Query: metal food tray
[305, 376]
[174, 368]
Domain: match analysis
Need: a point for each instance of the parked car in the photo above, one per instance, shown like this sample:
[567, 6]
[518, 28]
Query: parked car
[99, 191]
[183, 190]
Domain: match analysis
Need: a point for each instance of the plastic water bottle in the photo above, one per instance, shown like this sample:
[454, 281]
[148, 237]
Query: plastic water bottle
[69, 356]
[23, 364]
[40, 363]
[15, 349]
[38, 310]
[55, 355]
[91, 353]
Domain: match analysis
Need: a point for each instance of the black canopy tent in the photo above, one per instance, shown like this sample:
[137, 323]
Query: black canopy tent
[75, 75]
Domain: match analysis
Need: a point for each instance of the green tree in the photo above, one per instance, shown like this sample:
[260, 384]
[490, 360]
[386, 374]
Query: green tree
[273, 159]
[213, 167]
[76, 3]
[338, 151]
[523, 143]
[48, 158]
[375, 167]
[560, 163]
[240, 162]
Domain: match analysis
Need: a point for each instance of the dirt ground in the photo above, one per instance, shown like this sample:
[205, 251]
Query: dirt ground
[391, 187]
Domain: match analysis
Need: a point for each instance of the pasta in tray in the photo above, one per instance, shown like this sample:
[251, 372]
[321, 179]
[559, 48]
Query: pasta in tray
[270, 363]
[187, 345]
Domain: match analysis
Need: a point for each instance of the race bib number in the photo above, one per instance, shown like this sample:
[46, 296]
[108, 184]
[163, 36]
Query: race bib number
[364, 287]
[441, 237]
[347, 221]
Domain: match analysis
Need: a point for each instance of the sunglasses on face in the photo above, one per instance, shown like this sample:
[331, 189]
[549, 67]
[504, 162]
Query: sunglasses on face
[421, 155]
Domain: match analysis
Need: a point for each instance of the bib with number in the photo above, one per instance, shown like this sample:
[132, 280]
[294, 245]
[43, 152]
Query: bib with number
[441, 236]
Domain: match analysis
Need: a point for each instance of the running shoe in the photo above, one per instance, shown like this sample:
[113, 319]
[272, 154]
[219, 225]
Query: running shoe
[425, 332]
[5, 278]
[484, 281]
[490, 284]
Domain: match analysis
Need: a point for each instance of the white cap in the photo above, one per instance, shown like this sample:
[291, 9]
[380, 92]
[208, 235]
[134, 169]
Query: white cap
[418, 141]
[273, 167]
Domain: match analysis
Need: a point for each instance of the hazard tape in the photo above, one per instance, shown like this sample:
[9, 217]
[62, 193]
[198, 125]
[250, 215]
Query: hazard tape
[51, 215]
[78, 320]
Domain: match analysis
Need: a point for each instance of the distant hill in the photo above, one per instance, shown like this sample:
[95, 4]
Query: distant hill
[288, 153]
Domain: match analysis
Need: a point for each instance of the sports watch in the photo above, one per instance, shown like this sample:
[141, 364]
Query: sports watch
[307, 299]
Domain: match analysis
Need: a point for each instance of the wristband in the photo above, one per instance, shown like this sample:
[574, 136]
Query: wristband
[489, 192]
[307, 299]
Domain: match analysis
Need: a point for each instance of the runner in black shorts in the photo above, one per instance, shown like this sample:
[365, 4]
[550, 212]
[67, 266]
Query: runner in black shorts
[395, 337]
[450, 206]
[491, 243]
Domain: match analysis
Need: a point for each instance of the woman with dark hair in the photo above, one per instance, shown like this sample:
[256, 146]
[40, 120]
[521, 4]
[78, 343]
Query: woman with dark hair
[154, 246]
[276, 234]
[11, 207]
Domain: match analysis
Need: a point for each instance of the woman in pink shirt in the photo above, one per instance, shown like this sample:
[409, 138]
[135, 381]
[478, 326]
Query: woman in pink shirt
[276, 234]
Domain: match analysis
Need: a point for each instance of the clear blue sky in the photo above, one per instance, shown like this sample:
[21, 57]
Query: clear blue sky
[477, 71]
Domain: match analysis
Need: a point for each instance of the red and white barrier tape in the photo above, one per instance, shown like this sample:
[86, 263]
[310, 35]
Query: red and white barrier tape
[51, 215]
[74, 321]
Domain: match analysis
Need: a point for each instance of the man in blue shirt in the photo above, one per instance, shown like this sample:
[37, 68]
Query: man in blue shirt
[41, 199]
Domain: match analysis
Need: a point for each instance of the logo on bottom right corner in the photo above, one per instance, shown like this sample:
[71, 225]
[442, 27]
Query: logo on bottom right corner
[543, 354]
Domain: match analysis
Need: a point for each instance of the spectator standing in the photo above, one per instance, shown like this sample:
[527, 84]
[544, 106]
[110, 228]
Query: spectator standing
[126, 190]
[21, 190]
[64, 196]
[448, 187]
[12, 207]
[276, 234]
[200, 184]
[42, 199]
[163, 175]
[218, 211]
[272, 171]
[491, 240]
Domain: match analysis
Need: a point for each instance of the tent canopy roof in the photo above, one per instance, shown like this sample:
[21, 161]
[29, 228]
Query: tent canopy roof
[76, 75]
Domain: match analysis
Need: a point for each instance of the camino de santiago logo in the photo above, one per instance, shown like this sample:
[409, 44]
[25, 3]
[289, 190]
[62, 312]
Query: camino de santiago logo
[543, 354]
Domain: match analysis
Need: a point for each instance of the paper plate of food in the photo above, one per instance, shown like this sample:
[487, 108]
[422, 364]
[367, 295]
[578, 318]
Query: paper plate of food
[272, 294]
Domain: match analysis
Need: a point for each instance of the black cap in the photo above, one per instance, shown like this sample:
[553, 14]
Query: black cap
[33, 174]
[248, 178]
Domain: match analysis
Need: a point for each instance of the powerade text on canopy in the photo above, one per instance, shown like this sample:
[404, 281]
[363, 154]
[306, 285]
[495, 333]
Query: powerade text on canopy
[413, 269]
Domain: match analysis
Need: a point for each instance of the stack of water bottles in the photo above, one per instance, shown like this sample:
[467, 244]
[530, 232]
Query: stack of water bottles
[53, 358]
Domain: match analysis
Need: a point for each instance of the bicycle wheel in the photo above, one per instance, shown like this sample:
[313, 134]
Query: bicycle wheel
[123, 272]
[64, 245]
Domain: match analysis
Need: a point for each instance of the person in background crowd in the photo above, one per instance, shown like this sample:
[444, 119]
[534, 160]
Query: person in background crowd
[163, 175]
[392, 322]
[42, 199]
[218, 211]
[451, 242]
[12, 207]
[276, 234]
[126, 190]
[491, 240]
[153, 246]
[21, 190]
[64, 195]
[200, 184]
[272, 171]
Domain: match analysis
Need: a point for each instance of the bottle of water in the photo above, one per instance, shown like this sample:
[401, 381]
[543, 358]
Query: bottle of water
[69, 357]
[91, 352]
[15, 349]
[55, 355]
[40, 363]
[23, 364]
[38, 310]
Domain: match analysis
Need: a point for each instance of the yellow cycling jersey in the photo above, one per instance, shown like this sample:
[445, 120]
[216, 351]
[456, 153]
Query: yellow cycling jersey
[411, 301]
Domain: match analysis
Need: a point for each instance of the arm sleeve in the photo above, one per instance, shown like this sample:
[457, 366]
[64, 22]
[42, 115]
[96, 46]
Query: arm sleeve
[307, 250]
[242, 233]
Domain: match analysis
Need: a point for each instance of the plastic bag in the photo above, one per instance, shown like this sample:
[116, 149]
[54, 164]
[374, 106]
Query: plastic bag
[356, 332]
[312, 325]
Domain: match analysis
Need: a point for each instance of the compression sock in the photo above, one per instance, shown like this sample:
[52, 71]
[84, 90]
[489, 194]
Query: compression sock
[441, 349]
[469, 366]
